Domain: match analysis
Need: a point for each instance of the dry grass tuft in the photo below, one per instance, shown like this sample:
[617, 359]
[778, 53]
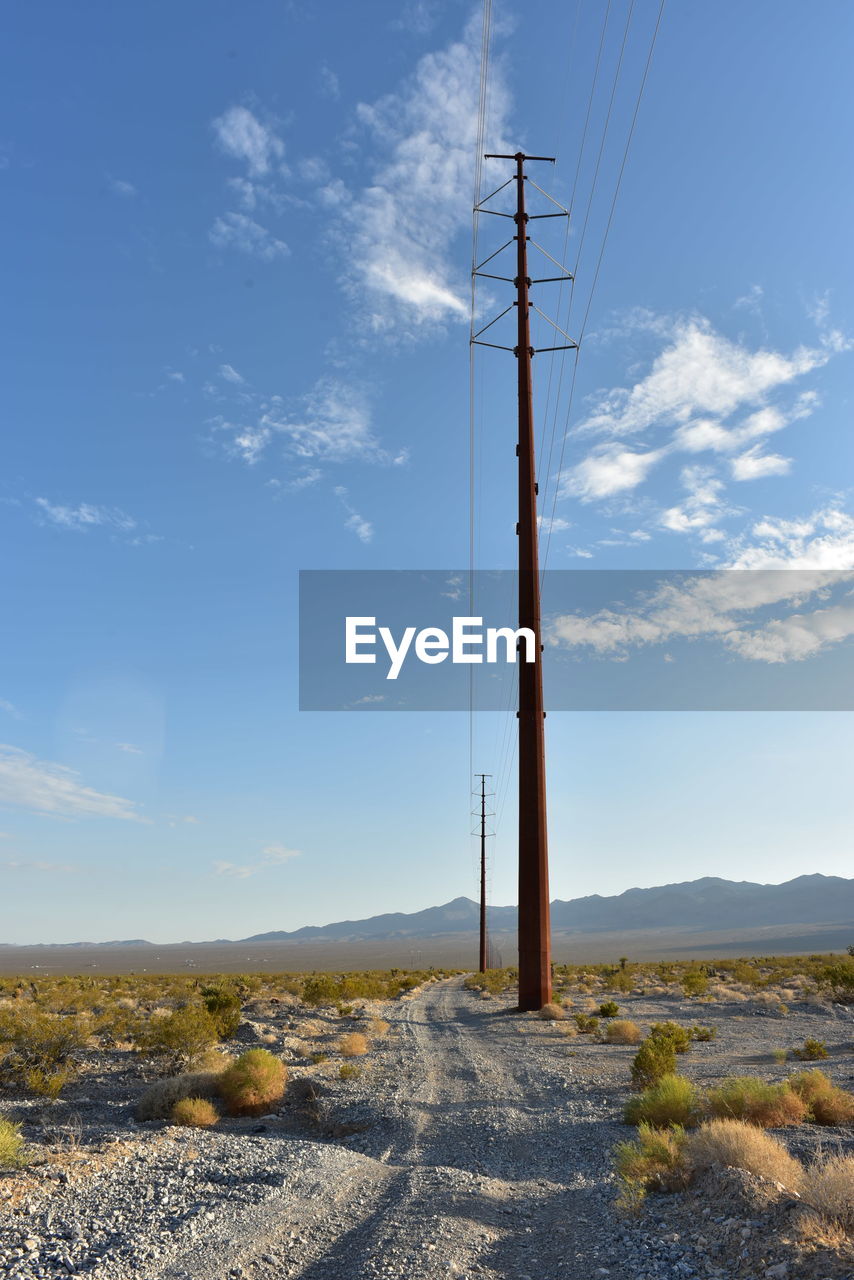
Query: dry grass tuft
[551, 1012]
[378, 1028]
[158, 1101]
[353, 1045]
[829, 1189]
[827, 1103]
[739, 1145]
[195, 1113]
[12, 1152]
[770, 1106]
[623, 1031]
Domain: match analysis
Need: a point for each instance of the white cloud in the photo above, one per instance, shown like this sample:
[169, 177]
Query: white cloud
[795, 638]
[396, 229]
[819, 542]
[700, 373]
[238, 231]
[609, 469]
[10, 709]
[553, 524]
[362, 528]
[43, 787]
[129, 748]
[332, 423]
[330, 86]
[703, 506]
[242, 136]
[85, 516]
[122, 188]
[272, 855]
[754, 464]
[230, 374]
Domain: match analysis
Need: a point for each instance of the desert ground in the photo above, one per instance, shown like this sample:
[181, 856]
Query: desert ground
[433, 1132]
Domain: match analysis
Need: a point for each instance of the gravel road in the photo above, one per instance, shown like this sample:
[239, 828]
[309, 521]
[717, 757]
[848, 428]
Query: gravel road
[477, 1144]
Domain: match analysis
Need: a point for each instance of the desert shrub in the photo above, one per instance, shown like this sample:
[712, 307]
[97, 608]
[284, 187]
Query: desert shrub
[183, 1037]
[780, 1055]
[739, 1145]
[47, 1084]
[673, 1034]
[695, 983]
[551, 1012]
[609, 1009]
[344, 1010]
[159, 1099]
[703, 1033]
[623, 1031]
[829, 1189]
[827, 1103]
[838, 980]
[745, 973]
[40, 1041]
[353, 1045]
[254, 1083]
[320, 989]
[811, 1051]
[349, 1071]
[318, 1056]
[12, 1149]
[671, 1100]
[586, 1023]
[770, 1106]
[378, 1028]
[195, 1113]
[654, 1161]
[223, 1005]
[654, 1060]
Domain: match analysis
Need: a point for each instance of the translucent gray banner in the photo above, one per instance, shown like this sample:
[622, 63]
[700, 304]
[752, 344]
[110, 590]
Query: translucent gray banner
[614, 640]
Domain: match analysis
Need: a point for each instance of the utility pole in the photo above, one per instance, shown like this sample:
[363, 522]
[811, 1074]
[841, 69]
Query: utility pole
[535, 983]
[482, 960]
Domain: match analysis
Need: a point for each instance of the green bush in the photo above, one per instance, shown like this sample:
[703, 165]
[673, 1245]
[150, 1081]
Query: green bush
[838, 979]
[254, 1083]
[655, 1161]
[654, 1060]
[673, 1034]
[223, 1005]
[609, 1009]
[12, 1150]
[586, 1023]
[703, 1033]
[349, 1071]
[671, 1100]
[159, 1099]
[40, 1041]
[182, 1037]
[812, 1051]
[695, 983]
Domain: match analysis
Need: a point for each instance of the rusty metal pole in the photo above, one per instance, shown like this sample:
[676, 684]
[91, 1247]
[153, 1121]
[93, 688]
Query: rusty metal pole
[535, 982]
[482, 954]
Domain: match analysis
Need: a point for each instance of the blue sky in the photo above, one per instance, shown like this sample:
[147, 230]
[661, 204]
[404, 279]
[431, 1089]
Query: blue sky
[237, 244]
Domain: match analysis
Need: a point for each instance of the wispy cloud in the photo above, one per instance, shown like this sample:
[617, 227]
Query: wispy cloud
[230, 374]
[239, 231]
[120, 187]
[129, 748]
[272, 855]
[242, 136]
[10, 709]
[51, 868]
[44, 787]
[85, 516]
[395, 229]
[362, 528]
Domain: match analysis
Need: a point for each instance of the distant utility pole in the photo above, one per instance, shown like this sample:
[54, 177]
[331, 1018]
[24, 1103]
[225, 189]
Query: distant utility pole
[483, 962]
[535, 983]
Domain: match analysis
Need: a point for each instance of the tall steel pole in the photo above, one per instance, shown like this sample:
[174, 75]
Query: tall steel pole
[482, 961]
[535, 980]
